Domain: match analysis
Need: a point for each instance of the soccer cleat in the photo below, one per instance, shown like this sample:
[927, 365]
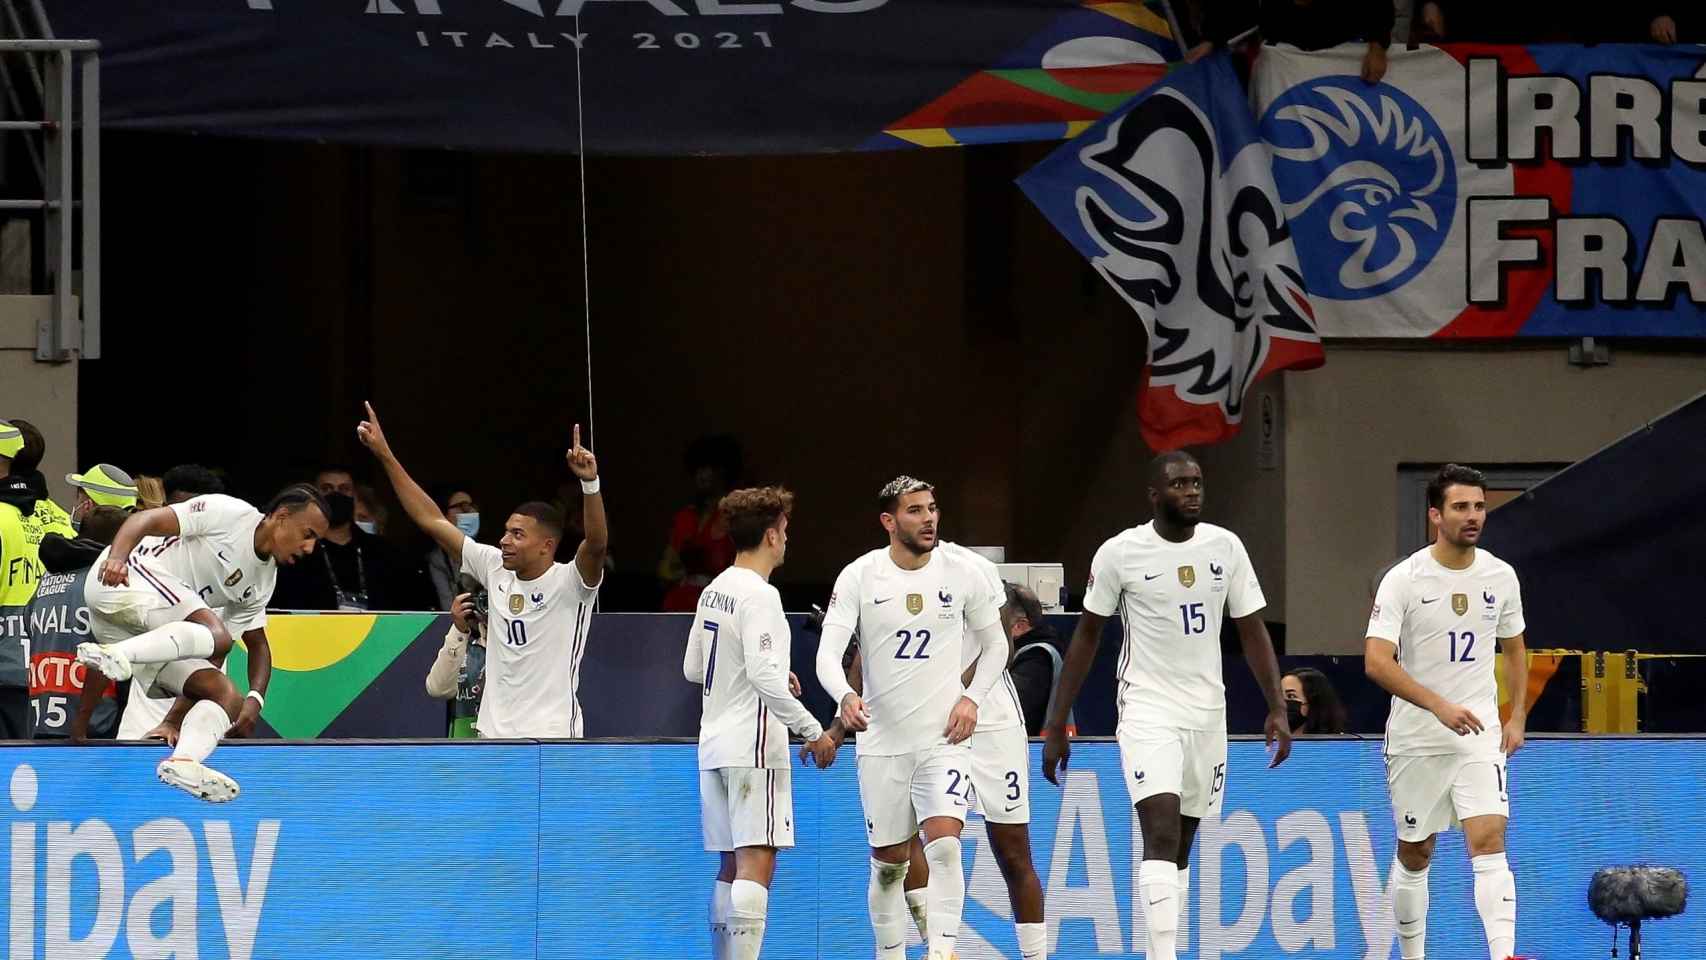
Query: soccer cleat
[106, 658]
[197, 780]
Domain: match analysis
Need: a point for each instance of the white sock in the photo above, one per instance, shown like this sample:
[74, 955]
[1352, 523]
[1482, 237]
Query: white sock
[203, 726]
[947, 892]
[1410, 910]
[720, 919]
[1158, 881]
[1184, 901]
[1495, 901]
[748, 904]
[917, 902]
[887, 903]
[180, 640]
[1033, 940]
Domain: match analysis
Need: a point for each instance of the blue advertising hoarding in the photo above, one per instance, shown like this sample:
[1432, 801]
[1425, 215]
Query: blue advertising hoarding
[592, 849]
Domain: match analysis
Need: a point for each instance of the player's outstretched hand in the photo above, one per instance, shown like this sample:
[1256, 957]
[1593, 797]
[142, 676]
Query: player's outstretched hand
[854, 716]
[835, 736]
[1057, 750]
[371, 435]
[581, 461]
[962, 722]
[165, 731]
[115, 570]
[1278, 730]
[1458, 719]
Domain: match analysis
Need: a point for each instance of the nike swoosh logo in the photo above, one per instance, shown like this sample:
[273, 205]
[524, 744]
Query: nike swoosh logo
[1430, 601]
[1154, 902]
[894, 946]
[1011, 809]
[1151, 576]
[882, 601]
[1510, 899]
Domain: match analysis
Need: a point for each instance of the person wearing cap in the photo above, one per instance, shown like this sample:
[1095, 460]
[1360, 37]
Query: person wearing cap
[103, 485]
[26, 516]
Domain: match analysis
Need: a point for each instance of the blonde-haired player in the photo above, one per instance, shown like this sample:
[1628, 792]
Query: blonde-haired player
[1431, 645]
[913, 607]
[738, 652]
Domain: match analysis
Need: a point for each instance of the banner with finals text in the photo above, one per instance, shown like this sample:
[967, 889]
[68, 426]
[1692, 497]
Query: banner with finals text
[1494, 191]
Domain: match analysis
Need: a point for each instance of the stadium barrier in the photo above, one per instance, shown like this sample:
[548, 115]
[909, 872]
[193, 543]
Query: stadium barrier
[592, 849]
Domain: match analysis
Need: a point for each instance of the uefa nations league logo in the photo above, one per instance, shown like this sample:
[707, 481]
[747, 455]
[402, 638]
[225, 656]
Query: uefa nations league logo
[1367, 180]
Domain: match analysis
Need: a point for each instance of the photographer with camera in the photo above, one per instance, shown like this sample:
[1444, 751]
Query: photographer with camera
[459, 672]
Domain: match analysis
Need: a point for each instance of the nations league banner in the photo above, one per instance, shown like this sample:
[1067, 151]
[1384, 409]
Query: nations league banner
[518, 851]
[1486, 191]
[1172, 202]
[646, 76]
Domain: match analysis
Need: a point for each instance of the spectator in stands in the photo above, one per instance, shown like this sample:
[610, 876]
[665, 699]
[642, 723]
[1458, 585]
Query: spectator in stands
[186, 481]
[1032, 670]
[459, 671]
[1657, 23]
[1506, 21]
[351, 569]
[1306, 25]
[1311, 703]
[102, 485]
[699, 543]
[26, 516]
[150, 492]
[58, 622]
[460, 509]
[370, 513]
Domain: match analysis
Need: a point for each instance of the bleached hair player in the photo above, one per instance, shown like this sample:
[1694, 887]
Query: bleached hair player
[165, 600]
[738, 652]
[1431, 643]
[913, 608]
[1172, 581]
[540, 610]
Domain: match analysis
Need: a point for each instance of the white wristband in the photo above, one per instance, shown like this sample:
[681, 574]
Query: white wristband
[255, 695]
[589, 487]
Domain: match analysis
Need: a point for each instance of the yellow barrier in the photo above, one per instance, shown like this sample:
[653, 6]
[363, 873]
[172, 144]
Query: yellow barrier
[1612, 687]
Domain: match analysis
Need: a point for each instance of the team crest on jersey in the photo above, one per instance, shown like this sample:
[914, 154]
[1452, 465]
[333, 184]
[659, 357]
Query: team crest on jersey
[234, 579]
[1460, 603]
[1188, 575]
[515, 603]
[915, 603]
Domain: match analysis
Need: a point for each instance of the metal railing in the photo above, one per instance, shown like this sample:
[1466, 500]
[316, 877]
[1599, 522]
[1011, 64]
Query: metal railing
[66, 74]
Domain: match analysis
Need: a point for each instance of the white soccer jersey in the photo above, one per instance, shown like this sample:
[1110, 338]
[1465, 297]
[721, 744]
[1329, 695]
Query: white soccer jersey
[1172, 598]
[1445, 623]
[912, 625]
[738, 651]
[537, 635]
[214, 554]
[1000, 709]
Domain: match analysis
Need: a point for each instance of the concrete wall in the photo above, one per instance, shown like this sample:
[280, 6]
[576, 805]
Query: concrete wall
[1350, 423]
[43, 393]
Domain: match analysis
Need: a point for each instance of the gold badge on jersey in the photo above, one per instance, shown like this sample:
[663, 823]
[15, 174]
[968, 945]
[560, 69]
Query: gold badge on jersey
[1188, 575]
[1460, 603]
[515, 602]
[915, 603]
[234, 579]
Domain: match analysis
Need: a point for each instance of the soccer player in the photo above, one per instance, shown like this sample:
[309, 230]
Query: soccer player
[738, 652]
[1172, 580]
[913, 607]
[539, 610]
[1430, 644]
[149, 597]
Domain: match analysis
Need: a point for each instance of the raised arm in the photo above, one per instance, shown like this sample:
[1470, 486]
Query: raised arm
[416, 503]
[589, 556]
[1086, 637]
[1264, 666]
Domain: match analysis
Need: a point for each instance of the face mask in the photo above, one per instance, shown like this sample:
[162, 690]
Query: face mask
[342, 506]
[1294, 714]
[468, 523]
[367, 526]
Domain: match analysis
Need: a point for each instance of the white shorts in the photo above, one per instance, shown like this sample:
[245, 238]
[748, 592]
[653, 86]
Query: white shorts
[899, 792]
[1001, 783]
[150, 600]
[1188, 763]
[1435, 793]
[746, 807]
